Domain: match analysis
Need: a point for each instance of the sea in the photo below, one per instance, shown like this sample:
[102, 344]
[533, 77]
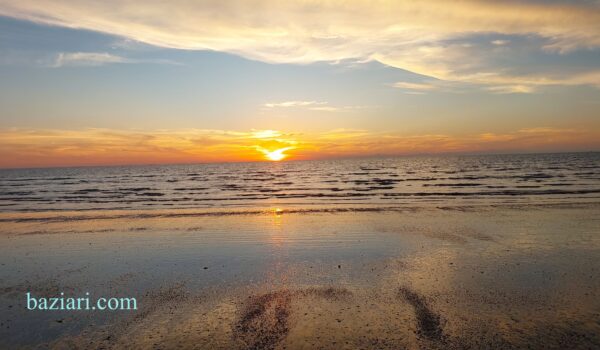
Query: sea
[369, 182]
[496, 251]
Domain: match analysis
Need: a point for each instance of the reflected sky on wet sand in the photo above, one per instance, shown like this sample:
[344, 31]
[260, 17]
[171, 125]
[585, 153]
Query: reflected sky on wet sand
[437, 277]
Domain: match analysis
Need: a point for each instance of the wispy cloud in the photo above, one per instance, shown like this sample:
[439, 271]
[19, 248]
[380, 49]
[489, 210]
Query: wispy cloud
[419, 88]
[43, 147]
[326, 108]
[287, 104]
[416, 86]
[94, 59]
[427, 86]
[574, 21]
[266, 134]
[500, 83]
[511, 89]
[312, 105]
[86, 59]
[500, 42]
[417, 36]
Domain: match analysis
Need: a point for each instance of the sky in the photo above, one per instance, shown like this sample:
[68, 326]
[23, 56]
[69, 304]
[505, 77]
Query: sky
[120, 82]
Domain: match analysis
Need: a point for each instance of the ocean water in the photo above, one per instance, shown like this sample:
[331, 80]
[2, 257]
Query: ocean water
[401, 181]
[518, 269]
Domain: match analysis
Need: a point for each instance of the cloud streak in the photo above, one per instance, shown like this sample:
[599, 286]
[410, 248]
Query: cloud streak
[416, 36]
[95, 59]
[86, 59]
[288, 104]
[37, 147]
[321, 106]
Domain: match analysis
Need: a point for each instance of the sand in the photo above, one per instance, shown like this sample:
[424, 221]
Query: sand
[413, 278]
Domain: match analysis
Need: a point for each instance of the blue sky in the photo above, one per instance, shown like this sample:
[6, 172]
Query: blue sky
[83, 65]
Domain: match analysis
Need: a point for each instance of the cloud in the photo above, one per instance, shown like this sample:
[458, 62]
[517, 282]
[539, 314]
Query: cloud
[94, 59]
[52, 147]
[511, 89]
[500, 42]
[265, 134]
[426, 86]
[419, 88]
[532, 82]
[348, 143]
[43, 147]
[418, 36]
[312, 105]
[325, 109]
[415, 86]
[287, 104]
[86, 59]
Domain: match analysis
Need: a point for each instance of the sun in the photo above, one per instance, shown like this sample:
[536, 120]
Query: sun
[277, 154]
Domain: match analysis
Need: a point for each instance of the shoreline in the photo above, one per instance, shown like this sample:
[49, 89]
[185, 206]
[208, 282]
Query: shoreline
[277, 209]
[435, 278]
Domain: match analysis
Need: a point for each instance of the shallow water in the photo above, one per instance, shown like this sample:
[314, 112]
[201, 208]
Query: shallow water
[428, 277]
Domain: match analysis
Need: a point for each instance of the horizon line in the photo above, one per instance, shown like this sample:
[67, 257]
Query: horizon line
[375, 156]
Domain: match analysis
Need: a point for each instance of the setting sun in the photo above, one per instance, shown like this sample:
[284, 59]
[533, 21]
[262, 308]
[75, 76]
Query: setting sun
[277, 155]
[212, 172]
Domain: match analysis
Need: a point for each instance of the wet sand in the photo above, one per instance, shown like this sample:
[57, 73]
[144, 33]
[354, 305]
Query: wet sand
[441, 278]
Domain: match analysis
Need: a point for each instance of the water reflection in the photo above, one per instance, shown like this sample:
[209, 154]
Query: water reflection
[277, 232]
[513, 269]
[415, 180]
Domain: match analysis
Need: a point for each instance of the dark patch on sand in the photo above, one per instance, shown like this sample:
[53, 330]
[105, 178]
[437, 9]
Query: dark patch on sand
[264, 320]
[329, 293]
[195, 228]
[428, 322]
[156, 299]
[40, 288]
[136, 229]
[121, 280]
[47, 232]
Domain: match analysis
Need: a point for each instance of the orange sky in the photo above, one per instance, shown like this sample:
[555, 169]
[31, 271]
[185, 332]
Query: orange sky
[113, 82]
[42, 148]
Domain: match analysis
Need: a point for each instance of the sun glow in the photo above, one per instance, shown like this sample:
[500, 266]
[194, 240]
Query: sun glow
[56, 147]
[277, 154]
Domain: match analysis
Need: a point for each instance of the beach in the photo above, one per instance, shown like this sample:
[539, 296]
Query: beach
[437, 272]
[299, 175]
[462, 277]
